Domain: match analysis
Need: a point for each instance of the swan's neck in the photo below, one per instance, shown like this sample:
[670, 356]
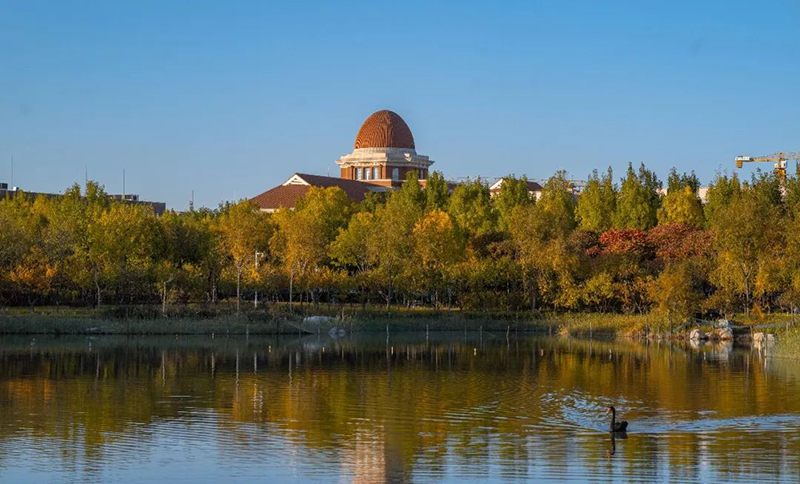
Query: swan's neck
[613, 418]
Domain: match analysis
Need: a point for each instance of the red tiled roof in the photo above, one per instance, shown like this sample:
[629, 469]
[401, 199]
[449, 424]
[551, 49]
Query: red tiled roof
[280, 196]
[289, 195]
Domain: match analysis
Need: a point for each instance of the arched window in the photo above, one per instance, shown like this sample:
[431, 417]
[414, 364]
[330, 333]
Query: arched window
[395, 173]
[367, 173]
[375, 173]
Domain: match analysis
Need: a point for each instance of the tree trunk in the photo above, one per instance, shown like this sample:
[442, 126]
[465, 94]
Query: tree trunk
[164, 299]
[97, 285]
[238, 288]
[291, 289]
[389, 295]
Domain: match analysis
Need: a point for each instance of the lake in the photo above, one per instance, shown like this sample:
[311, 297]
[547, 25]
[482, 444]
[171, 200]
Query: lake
[411, 408]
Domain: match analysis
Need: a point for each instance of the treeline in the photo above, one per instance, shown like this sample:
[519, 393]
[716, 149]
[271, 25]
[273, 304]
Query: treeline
[617, 247]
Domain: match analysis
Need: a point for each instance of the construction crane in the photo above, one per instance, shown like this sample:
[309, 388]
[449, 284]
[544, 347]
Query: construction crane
[779, 159]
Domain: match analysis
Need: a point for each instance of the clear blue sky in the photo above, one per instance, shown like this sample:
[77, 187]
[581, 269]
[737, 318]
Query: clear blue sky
[230, 98]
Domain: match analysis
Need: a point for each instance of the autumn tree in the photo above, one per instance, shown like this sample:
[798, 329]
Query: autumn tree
[674, 293]
[243, 230]
[437, 246]
[304, 235]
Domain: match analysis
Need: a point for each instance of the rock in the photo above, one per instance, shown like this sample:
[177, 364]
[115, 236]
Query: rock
[337, 333]
[770, 337]
[697, 334]
[726, 334]
[317, 319]
[724, 323]
[758, 337]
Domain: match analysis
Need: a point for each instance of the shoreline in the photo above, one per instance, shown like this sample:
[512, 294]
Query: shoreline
[80, 321]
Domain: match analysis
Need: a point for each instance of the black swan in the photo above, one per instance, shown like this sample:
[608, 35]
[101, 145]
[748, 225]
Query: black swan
[616, 426]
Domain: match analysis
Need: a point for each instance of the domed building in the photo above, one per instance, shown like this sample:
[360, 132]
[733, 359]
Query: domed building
[384, 154]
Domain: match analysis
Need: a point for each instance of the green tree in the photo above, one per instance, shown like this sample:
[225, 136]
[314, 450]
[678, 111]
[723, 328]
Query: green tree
[513, 193]
[391, 242]
[747, 236]
[437, 191]
[541, 237]
[598, 203]
[722, 191]
[638, 200]
[471, 208]
[350, 249]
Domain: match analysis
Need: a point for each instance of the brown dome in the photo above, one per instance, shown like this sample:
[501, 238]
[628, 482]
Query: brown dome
[384, 129]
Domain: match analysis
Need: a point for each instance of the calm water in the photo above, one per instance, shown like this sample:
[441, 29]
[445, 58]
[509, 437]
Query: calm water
[361, 409]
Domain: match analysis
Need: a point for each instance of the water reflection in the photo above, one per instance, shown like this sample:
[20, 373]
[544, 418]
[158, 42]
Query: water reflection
[407, 408]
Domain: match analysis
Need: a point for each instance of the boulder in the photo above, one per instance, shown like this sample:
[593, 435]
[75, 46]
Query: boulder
[317, 319]
[697, 334]
[758, 337]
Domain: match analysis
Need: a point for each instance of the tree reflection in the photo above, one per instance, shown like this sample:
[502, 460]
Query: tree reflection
[385, 410]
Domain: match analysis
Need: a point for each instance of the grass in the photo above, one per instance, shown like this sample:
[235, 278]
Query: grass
[222, 319]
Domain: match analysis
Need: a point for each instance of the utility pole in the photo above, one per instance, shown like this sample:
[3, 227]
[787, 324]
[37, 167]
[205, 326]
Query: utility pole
[123, 184]
[12, 172]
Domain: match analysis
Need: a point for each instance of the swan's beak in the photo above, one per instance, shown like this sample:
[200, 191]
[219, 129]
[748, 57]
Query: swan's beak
[608, 410]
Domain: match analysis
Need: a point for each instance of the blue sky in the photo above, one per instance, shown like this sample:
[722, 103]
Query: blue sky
[230, 98]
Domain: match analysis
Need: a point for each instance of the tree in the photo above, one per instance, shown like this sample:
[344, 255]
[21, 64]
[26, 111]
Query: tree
[437, 246]
[598, 203]
[747, 234]
[681, 205]
[638, 200]
[471, 208]
[674, 293]
[513, 193]
[243, 230]
[540, 234]
[303, 236]
[390, 241]
[721, 192]
[350, 248]
[437, 191]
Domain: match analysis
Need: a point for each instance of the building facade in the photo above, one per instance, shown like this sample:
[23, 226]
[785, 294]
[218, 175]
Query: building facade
[383, 155]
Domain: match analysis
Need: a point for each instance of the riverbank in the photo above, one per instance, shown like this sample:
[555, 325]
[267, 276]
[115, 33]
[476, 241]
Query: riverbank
[280, 319]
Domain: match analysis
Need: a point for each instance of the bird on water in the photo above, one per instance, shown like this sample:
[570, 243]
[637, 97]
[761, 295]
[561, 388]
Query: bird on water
[616, 426]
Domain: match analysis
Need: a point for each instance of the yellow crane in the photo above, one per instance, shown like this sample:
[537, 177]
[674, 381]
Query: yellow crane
[779, 159]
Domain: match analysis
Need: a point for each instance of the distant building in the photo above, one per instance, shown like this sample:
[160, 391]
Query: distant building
[384, 152]
[702, 193]
[10, 192]
[383, 155]
[534, 189]
[292, 190]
